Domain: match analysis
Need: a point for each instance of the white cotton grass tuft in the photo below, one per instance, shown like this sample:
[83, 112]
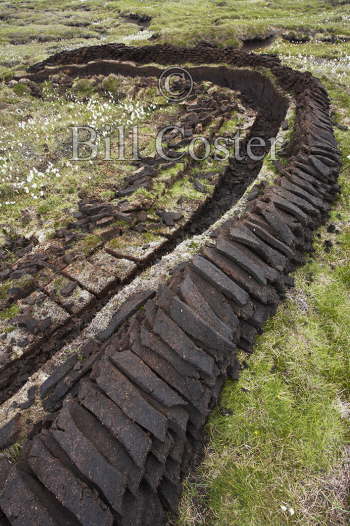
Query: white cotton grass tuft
[22, 170]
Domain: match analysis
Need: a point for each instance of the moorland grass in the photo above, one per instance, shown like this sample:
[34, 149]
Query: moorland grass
[280, 431]
[277, 451]
[67, 24]
[277, 443]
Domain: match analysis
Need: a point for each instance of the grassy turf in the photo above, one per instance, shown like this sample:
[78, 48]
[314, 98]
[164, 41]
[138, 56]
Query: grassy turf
[37, 177]
[278, 452]
[36, 29]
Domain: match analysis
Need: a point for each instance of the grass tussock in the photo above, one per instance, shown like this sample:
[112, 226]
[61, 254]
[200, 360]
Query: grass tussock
[282, 429]
[38, 30]
[277, 452]
[278, 445]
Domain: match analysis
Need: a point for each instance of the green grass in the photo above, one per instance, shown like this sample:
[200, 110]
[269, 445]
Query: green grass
[36, 171]
[277, 450]
[276, 445]
[9, 313]
[37, 29]
[283, 432]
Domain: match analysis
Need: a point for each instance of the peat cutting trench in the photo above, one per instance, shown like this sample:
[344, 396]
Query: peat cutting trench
[109, 429]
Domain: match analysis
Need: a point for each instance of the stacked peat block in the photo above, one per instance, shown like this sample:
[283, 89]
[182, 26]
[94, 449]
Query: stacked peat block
[117, 450]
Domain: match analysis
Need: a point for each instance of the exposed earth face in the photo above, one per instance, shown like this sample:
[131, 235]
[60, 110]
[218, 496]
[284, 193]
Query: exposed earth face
[131, 277]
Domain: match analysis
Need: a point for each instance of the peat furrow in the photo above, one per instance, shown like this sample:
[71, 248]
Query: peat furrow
[237, 176]
[117, 450]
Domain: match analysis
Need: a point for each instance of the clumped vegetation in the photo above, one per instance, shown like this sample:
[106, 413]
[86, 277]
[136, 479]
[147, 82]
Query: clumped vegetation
[37, 174]
[277, 452]
[278, 441]
[36, 29]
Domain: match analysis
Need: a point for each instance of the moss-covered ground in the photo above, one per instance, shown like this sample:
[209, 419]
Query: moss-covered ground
[278, 444]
